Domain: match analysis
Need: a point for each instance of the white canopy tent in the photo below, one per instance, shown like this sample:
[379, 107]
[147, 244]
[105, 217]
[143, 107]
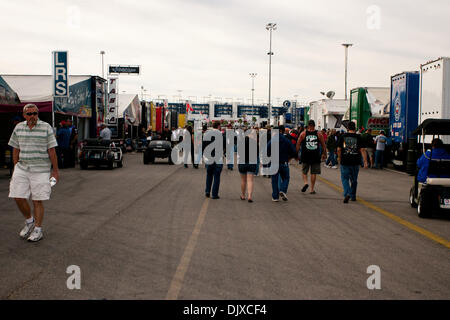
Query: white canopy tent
[129, 108]
[36, 88]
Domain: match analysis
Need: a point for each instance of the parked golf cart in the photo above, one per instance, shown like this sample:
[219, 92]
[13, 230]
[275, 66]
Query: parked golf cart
[99, 152]
[433, 195]
[157, 148]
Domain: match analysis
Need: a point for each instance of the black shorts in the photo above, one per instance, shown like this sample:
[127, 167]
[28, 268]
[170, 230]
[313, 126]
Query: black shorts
[247, 168]
[314, 167]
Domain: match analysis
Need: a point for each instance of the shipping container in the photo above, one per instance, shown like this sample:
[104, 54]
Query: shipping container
[404, 112]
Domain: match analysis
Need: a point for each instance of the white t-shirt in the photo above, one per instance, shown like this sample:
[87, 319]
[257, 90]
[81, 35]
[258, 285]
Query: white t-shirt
[381, 142]
[105, 134]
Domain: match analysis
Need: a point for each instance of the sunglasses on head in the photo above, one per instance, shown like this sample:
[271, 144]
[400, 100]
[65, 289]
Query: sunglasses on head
[31, 113]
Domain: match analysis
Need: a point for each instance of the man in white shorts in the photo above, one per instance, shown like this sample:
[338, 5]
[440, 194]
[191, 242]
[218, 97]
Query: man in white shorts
[33, 143]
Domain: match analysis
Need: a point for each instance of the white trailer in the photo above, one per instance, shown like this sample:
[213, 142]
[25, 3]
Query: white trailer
[328, 113]
[315, 113]
[333, 111]
[434, 97]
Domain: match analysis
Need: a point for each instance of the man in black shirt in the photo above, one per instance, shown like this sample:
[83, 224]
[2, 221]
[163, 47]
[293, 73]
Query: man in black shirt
[350, 149]
[310, 142]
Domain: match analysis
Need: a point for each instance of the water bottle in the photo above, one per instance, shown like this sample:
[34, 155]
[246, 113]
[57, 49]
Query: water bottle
[52, 181]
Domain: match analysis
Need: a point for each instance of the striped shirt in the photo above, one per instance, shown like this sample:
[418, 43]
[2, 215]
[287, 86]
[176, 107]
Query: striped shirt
[33, 145]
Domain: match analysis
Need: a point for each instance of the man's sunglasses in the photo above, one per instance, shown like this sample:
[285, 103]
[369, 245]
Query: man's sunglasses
[31, 113]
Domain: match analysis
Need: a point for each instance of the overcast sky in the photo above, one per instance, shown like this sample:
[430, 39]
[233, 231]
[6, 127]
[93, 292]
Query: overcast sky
[205, 47]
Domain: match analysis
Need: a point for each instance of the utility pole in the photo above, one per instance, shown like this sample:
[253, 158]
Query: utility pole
[253, 75]
[270, 26]
[346, 45]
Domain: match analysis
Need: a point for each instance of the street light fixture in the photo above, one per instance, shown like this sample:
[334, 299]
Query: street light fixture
[270, 27]
[142, 92]
[253, 75]
[346, 45]
[103, 67]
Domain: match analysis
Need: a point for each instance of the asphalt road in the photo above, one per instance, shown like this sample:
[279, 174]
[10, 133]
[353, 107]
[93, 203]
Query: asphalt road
[148, 232]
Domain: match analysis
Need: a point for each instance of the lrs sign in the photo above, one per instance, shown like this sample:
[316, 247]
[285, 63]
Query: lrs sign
[60, 74]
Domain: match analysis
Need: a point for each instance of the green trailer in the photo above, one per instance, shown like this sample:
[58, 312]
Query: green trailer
[306, 116]
[369, 108]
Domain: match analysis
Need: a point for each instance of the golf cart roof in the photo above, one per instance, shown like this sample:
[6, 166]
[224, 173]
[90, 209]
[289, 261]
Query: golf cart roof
[434, 126]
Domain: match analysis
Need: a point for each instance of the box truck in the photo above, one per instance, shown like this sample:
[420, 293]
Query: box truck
[403, 118]
[434, 100]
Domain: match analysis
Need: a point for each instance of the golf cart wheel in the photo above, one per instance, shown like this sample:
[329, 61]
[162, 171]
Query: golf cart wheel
[423, 210]
[111, 165]
[120, 164]
[83, 165]
[412, 200]
[152, 159]
[146, 159]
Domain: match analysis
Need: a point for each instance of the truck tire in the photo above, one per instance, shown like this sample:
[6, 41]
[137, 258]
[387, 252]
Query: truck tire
[412, 200]
[423, 207]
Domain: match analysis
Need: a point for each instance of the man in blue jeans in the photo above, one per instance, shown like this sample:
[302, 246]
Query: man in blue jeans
[381, 142]
[350, 149]
[213, 164]
[286, 152]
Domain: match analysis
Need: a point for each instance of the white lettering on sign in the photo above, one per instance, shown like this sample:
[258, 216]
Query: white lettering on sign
[60, 74]
[61, 89]
[60, 71]
[57, 62]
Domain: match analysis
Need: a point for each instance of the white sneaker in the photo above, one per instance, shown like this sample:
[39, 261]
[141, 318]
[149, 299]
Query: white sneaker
[35, 235]
[334, 167]
[283, 196]
[275, 200]
[25, 232]
[326, 165]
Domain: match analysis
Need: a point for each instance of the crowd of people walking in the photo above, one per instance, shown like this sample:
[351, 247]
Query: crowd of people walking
[351, 150]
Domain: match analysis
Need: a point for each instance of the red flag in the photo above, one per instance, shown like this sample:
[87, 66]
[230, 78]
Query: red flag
[189, 107]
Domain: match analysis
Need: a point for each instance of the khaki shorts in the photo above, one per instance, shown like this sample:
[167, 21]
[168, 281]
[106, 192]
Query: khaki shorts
[315, 168]
[369, 152]
[24, 183]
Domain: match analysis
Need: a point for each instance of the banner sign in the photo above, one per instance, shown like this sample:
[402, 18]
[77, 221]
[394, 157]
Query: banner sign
[60, 74]
[124, 69]
[112, 109]
[79, 102]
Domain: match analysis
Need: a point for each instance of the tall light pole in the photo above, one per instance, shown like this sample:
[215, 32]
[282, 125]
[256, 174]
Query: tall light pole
[270, 26]
[346, 45]
[142, 92]
[253, 75]
[103, 67]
